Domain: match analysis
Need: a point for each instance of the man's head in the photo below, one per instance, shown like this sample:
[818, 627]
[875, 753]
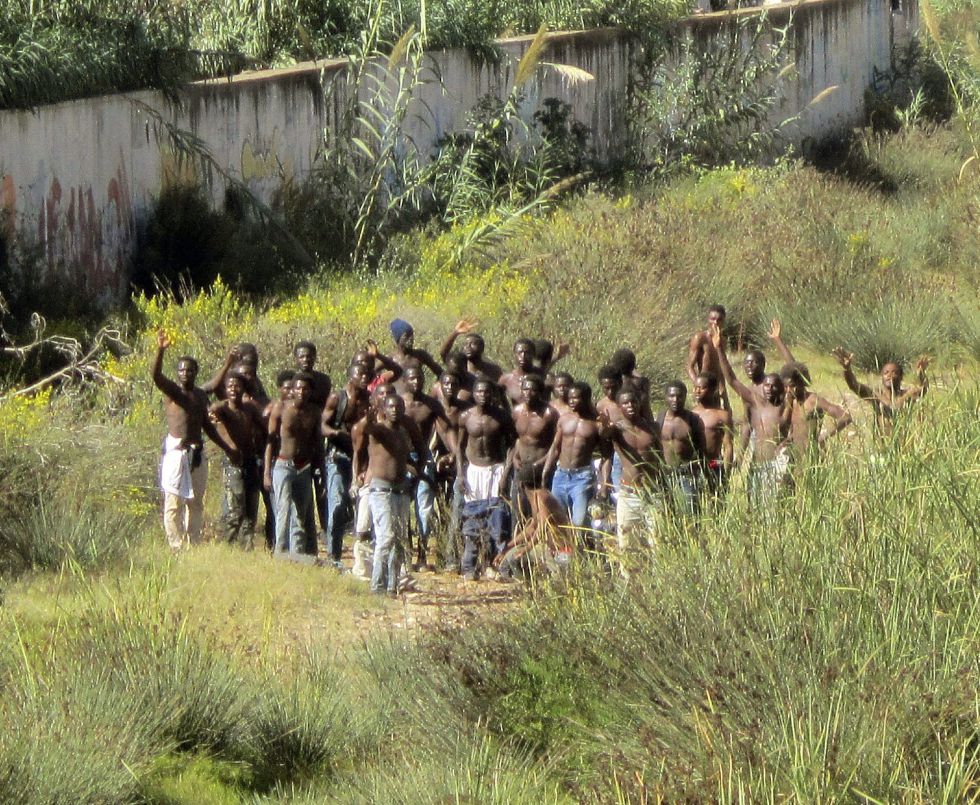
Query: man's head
[532, 389]
[247, 373]
[676, 395]
[415, 379]
[754, 364]
[394, 407]
[796, 378]
[609, 381]
[284, 382]
[716, 315]
[483, 392]
[234, 387]
[402, 333]
[305, 354]
[456, 363]
[706, 389]
[524, 354]
[623, 361]
[302, 387]
[473, 347]
[773, 389]
[563, 384]
[892, 375]
[186, 372]
[629, 403]
[247, 354]
[378, 396]
[580, 397]
[543, 352]
[450, 384]
[360, 376]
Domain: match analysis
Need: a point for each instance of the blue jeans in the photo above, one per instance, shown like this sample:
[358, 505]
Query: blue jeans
[338, 474]
[486, 529]
[389, 515]
[425, 507]
[574, 489]
[292, 491]
[686, 490]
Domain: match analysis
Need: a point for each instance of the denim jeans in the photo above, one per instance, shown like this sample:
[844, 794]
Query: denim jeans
[338, 474]
[684, 491]
[486, 530]
[425, 507]
[389, 515]
[574, 489]
[292, 491]
[240, 502]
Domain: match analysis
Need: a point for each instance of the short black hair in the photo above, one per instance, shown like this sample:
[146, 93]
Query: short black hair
[247, 348]
[419, 368]
[533, 378]
[796, 371]
[303, 377]
[285, 376]
[543, 350]
[675, 384]
[565, 376]
[583, 388]
[233, 375]
[718, 309]
[527, 342]
[759, 356]
[710, 378]
[304, 345]
[609, 372]
[188, 359]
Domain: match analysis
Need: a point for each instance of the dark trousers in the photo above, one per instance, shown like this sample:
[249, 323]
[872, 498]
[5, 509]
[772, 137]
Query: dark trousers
[486, 531]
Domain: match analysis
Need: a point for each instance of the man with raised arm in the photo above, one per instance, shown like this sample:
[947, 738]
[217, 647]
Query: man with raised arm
[624, 361]
[390, 440]
[577, 438]
[428, 415]
[700, 356]
[486, 436]
[453, 407]
[344, 407]
[473, 348]
[183, 469]
[682, 437]
[718, 426]
[523, 366]
[294, 444]
[244, 359]
[304, 354]
[243, 429]
[636, 440]
[406, 355]
[809, 411]
[771, 416]
[535, 423]
[892, 396]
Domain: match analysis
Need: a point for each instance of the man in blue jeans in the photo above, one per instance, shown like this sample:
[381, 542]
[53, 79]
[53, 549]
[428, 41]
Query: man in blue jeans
[343, 409]
[294, 428]
[578, 438]
[390, 440]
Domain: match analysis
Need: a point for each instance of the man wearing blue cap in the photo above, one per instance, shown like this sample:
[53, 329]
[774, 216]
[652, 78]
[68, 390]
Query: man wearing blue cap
[406, 355]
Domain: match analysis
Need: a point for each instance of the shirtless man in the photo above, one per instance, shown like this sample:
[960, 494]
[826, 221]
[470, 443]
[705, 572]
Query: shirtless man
[453, 407]
[428, 414]
[682, 437]
[700, 356]
[577, 438]
[809, 411]
[535, 423]
[891, 397]
[636, 440]
[284, 383]
[184, 469]
[771, 416]
[717, 425]
[473, 347]
[754, 367]
[343, 409]
[624, 361]
[486, 435]
[610, 382]
[523, 366]
[243, 429]
[390, 441]
[293, 445]
[559, 392]
[305, 355]
[406, 355]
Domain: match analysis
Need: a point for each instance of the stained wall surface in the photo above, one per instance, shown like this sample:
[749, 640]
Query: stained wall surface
[77, 179]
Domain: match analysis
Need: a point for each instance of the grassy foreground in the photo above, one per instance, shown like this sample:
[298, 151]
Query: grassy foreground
[824, 652]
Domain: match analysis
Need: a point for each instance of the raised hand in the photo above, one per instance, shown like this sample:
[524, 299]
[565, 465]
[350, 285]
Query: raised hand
[163, 340]
[775, 330]
[463, 326]
[372, 348]
[563, 349]
[714, 332]
[922, 364]
[843, 357]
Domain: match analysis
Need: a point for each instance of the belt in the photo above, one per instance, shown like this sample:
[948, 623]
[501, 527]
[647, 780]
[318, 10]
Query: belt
[387, 486]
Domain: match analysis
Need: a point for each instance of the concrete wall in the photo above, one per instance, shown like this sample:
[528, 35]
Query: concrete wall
[77, 178]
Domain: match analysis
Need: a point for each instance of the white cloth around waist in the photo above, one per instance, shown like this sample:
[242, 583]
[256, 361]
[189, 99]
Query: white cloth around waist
[483, 483]
[175, 469]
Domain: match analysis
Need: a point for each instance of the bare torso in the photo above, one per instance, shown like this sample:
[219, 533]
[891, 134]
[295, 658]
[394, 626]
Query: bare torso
[681, 438]
[535, 432]
[488, 434]
[579, 439]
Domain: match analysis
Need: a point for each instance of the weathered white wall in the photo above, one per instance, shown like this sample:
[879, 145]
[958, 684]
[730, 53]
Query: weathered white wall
[77, 178]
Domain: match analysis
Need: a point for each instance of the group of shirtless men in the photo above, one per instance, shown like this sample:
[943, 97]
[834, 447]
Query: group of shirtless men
[493, 443]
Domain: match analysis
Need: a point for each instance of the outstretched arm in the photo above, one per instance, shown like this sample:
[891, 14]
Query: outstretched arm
[427, 360]
[693, 355]
[839, 414]
[775, 331]
[216, 382]
[564, 348]
[917, 392]
[743, 391]
[165, 384]
[844, 358]
[272, 444]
